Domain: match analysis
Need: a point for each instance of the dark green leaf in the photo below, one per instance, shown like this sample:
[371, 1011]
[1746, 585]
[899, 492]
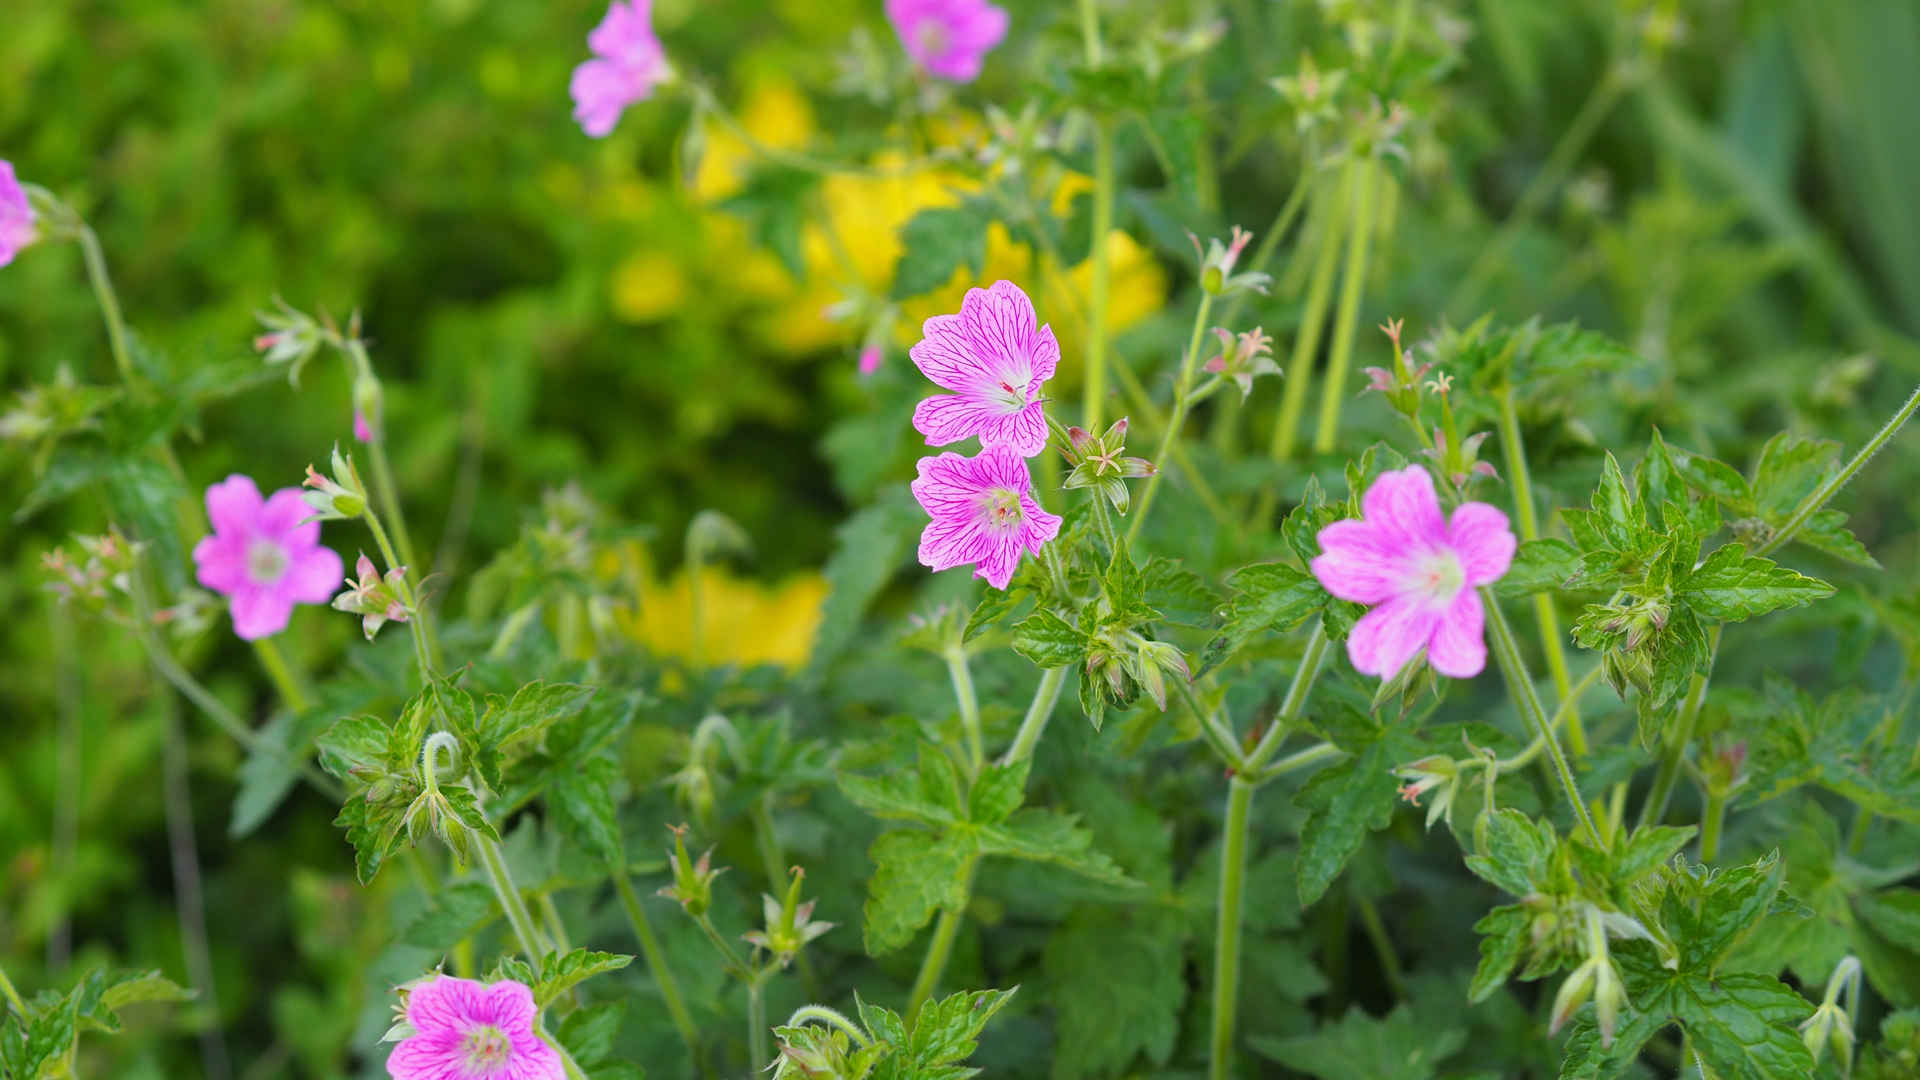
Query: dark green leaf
[1049, 641]
[934, 244]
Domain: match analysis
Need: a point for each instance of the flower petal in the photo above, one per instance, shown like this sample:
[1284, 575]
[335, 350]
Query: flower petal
[507, 1005]
[427, 1057]
[1357, 563]
[444, 1004]
[1388, 636]
[220, 562]
[312, 575]
[1023, 432]
[260, 611]
[280, 519]
[1402, 505]
[1479, 534]
[233, 505]
[1459, 648]
[945, 418]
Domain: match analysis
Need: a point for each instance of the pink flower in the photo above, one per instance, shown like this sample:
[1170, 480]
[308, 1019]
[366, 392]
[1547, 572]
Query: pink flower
[361, 430]
[465, 1030]
[870, 358]
[261, 557]
[1418, 571]
[628, 63]
[16, 215]
[948, 38]
[994, 360]
[983, 513]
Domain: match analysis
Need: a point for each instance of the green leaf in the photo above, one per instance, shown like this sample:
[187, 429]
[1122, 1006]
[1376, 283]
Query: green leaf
[934, 244]
[1789, 469]
[944, 1033]
[1538, 566]
[1362, 1047]
[929, 794]
[1048, 836]
[1344, 802]
[1649, 847]
[1744, 1024]
[869, 548]
[996, 605]
[581, 799]
[139, 987]
[1503, 938]
[998, 792]
[1731, 585]
[774, 204]
[1049, 641]
[460, 910]
[1837, 744]
[1518, 852]
[1826, 530]
[1116, 979]
[562, 972]
[1267, 597]
[914, 874]
[1177, 594]
[1894, 914]
[1126, 590]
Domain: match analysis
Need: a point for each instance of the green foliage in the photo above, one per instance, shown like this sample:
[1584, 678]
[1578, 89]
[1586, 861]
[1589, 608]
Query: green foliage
[1362, 1047]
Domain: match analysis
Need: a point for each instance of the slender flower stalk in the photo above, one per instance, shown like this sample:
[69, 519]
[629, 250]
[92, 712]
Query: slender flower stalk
[1038, 712]
[410, 596]
[1523, 506]
[109, 300]
[1520, 685]
[293, 692]
[1233, 855]
[963, 692]
[1313, 318]
[1101, 286]
[1366, 190]
[494, 862]
[1182, 391]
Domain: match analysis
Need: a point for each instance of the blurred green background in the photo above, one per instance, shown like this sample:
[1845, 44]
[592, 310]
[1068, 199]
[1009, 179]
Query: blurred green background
[546, 308]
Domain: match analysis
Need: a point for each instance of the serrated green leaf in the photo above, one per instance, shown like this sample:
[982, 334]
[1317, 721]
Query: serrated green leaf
[1826, 530]
[581, 800]
[868, 549]
[1268, 597]
[915, 874]
[1503, 938]
[929, 794]
[1049, 641]
[1177, 594]
[1732, 585]
[459, 910]
[561, 972]
[1518, 852]
[1363, 1047]
[998, 792]
[1648, 848]
[1115, 976]
[1345, 802]
[1048, 836]
[996, 605]
[1538, 566]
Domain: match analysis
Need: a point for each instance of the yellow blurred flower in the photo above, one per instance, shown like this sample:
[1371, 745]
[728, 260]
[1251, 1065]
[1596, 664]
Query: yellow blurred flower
[648, 286]
[775, 114]
[747, 622]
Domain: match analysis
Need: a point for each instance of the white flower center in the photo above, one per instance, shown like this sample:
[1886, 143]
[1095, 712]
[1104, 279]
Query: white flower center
[1438, 577]
[1011, 396]
[1001, 507]
[266, 562]
[486, 1048]
[931, 35]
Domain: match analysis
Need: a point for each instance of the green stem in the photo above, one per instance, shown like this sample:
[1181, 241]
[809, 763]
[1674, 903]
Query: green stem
[1294, 703]
[1277, 231]
[771, 860]
[941, 947]
[292, 693]
[1353, 283]
[1565, 711]
[1182, 388]
[657, 962]
[956, 658]
[1045, 695]
[1090, 31]
[1313, 319]
[226, 721]
[1606, 93]
[831, 1018]
[735, 966]
[1544, 613]
[12, 995]
[1294, 762]
[1857, 835]
[387, 490]
[1711, 819]
[1226, 944]
[1520, 685]
[417, 619]
[758, 1033]
[556, 928]
[1103, 520]
[1818, 498]
[1376, 930]
[109, 300]
[495, 864]
[1101, 285]
[1679, 737]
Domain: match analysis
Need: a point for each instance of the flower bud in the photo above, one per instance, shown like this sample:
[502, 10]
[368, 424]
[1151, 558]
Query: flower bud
[789, 925]
[692, 878]
[338, 497]
[1217, 263]
[1243, 358]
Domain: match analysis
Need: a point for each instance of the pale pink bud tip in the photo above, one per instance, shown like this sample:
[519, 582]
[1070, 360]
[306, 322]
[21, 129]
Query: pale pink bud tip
[361, 430]
[870, 358]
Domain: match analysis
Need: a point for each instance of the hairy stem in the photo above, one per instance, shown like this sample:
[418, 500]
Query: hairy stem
[1226, 942]
[1293, 704]
[758, 1033]
[1182, 390]
[417, 617]
[1353, 282]
[1711, 819]
[1520, 685]
[1101, 285]
[1376, 930]
[109, 300]
[1523, 505]
[532, 946]
[657, 962]
[957, 671]
[1045, 695]
[1564, 712]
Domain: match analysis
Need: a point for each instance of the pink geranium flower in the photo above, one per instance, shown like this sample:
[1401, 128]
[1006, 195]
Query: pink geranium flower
[16, 215]
[465, 1030]
[261, 557]
[948, 38]
[994, 358]
[1418, 571]
[627, 64]
[983, 513]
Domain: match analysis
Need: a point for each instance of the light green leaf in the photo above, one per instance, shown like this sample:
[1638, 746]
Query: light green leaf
[1049, 641]
[562, 972]
[935, 243]
[1363, 1047]
[915, 873]
[1731, 585]
[1115, 977]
